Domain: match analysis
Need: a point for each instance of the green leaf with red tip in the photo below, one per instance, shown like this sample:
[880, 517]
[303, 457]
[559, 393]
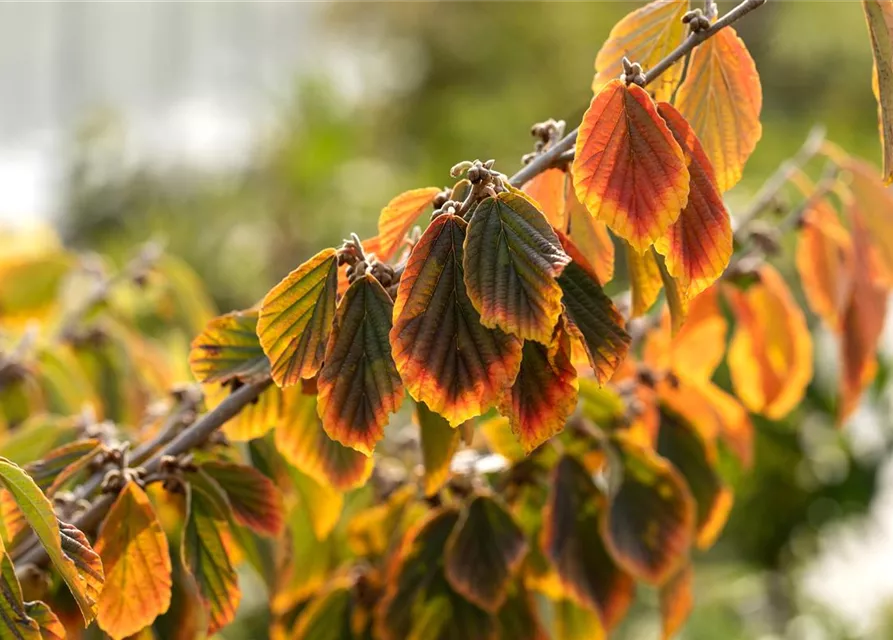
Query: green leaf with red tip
[544, 394]
[228, 349]
[594, 318]
[359, 386]
[698, 245]
[695, 457]
[628, 170]
[398, 217]
[67, 548]
[296, 319]
[650, 522]
[61, 464]
[512, 257]
[418, 600]
[256, 502]
[484, 552]
[47, 622]
[303, 442]
[137, 563]
[15, 623]
[447, 358]
[438, 441]
[205, 557]
[572, 543]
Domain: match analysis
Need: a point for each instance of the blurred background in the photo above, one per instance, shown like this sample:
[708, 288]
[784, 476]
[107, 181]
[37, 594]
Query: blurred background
[246, 136]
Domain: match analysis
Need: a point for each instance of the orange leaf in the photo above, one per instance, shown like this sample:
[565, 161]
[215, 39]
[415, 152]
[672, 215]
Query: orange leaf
[628, 169]
[770, 356]
[549, 190]
[721, 97]
[137, 565]
[875, 205]
[645, 282]
[645, 36]
[825, 262]
[591, 237]
[397, 218]
[676, 601]
[736, 429]
[699, 244]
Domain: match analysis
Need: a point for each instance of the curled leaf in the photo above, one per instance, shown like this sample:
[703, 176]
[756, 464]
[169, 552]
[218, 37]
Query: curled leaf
[296, 318]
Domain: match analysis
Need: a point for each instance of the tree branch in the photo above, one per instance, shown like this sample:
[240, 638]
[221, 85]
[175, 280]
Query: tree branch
[549, 158]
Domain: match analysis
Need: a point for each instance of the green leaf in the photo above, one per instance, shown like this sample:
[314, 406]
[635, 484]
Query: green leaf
[359, 386]
[67, 548]
[594, 318]
[256, 502]
[447, 359]
[439, 442]
[327, 617]
[50, 627]
[518, 618]
[39, 434]
[15, 623]
[228, 349]
[484, 553]
[205, 557]
[512, 257]
[296, 319]
[61, 464]
[572, 543]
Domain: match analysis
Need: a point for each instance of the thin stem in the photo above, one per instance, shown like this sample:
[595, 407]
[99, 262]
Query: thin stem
[547, 159]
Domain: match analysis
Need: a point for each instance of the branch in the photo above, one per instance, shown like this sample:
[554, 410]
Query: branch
[196, 434]
[550, 158]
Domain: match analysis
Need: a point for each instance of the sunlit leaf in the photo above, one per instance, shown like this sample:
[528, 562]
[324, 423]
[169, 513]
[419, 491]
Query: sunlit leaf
[570, 621]
[61, 464]
[296, 318]
[137, 565]
[544, 394]
[255, 500]
[50, 627]
[591, 237]
[698, 245]
[645, 282]
[549, 190]
[255, 419]
[721, 97]
[14, 616]
[594, 318]
[447, 359]
[304, 563]
[438, 442]
[572, 542]
[825, 262]
[29, 284]
[770, 356]
[398, 217]
[736, 428]
[676, 601]
[650, 521]
[484, 552]
[320, 501]
[228, 349]
[38, 435]
[303, 442]
[359, 386]
[647, 35]
[874, 203]
[512, 257]
[628, 170]
[879, 14]
[499, 436]
[693, 454]
[327, 617]
[372, 532]
[205, 556]
[66, 546]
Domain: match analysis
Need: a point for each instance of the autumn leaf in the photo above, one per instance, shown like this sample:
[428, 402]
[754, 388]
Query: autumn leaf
[573, 544]
[879, 15]
[256, 502]
[591, 237]
[770, 355]
[61, 464]
[721, 97]
[322, 503]
[519, 617]
[512, 257]
[698, 245]
[327, 617]
[649, 524]
[228, 349]
[438, 442]
[571, 621]
[549, 190]
[874, 203]
[398, 216]
[676, 601]
[544, 394]
[48, 623]
[594, 319]
[17, 623]
[137, 564]
[501, 439]
[359, 386]
[67, 548]
[205, 556]
[255, 419]
[446, 357]
[296, 318]
[484, 552]
[647, 36]
[645, 282]
[628, 169]
[303, 442]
